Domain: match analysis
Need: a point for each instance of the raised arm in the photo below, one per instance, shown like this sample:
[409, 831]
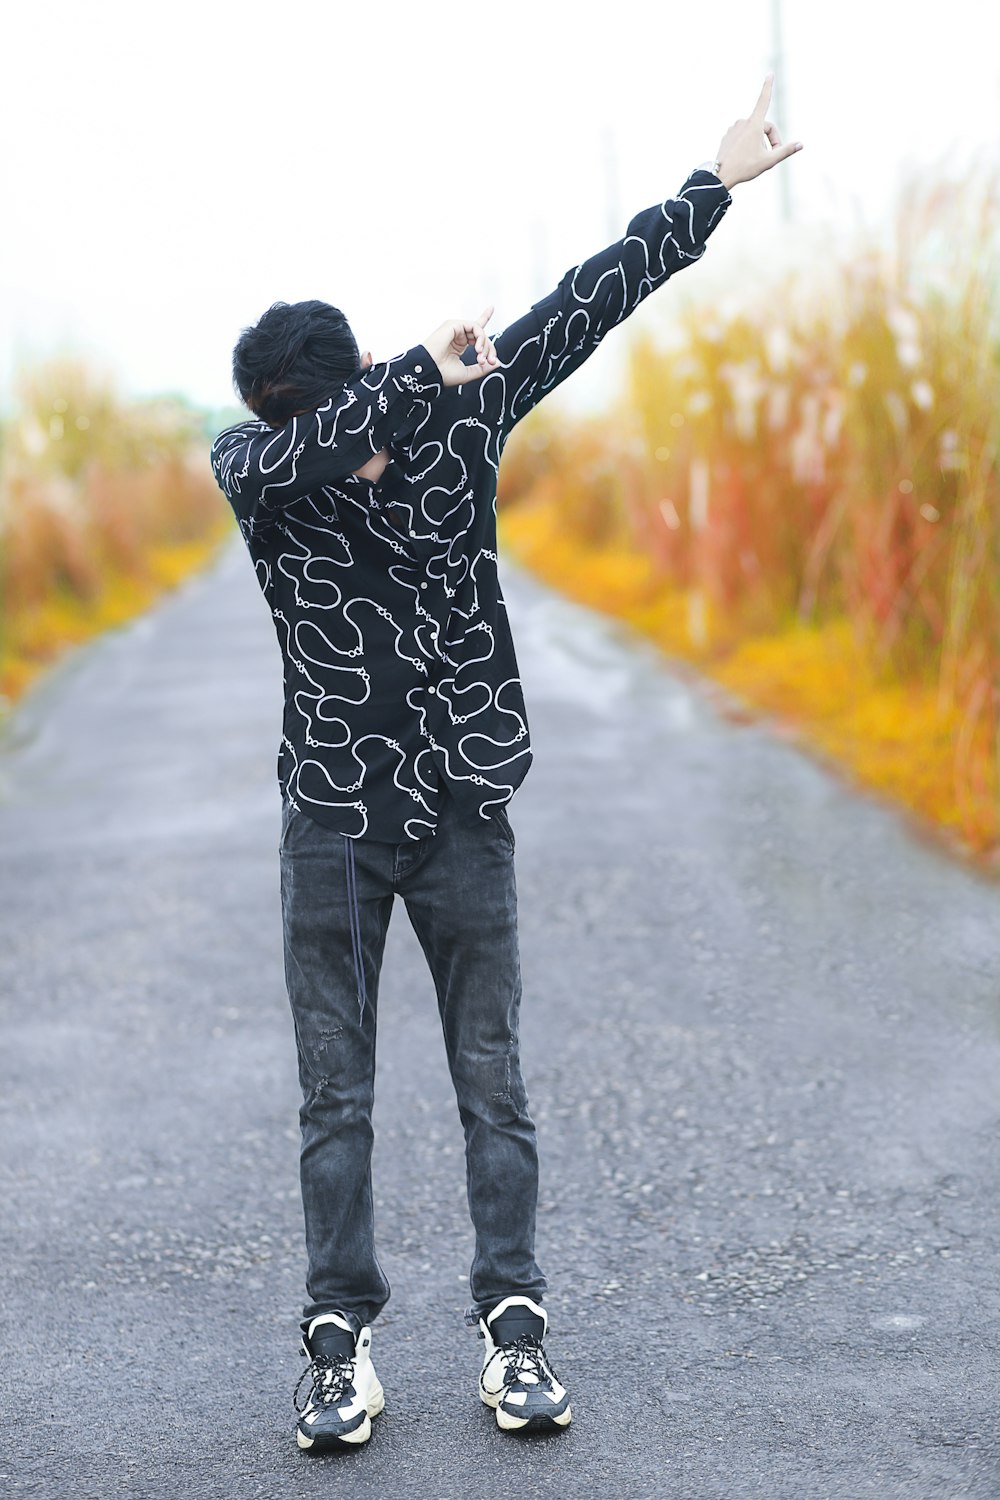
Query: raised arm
[260, 468]
[539, 350]
[551, 341]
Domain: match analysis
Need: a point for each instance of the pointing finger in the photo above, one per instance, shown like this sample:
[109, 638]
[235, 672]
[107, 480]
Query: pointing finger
[478, 330]
[760, 108]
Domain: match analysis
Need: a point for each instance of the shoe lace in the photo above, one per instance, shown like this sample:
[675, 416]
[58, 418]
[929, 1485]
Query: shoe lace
[331, 1374]
[526, 1354]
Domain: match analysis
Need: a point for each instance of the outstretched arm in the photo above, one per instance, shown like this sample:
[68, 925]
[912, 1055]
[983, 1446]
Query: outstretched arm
[552, 340]
[539, 350]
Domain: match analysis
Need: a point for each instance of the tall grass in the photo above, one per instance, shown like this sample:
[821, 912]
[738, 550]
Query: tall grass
[103, 504]
[818, 463]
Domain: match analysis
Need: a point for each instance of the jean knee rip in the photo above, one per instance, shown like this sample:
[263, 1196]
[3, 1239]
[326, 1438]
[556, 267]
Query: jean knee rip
[323, 1040]
[507, 1098]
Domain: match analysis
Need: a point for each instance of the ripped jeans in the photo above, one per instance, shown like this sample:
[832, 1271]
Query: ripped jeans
[459, 889]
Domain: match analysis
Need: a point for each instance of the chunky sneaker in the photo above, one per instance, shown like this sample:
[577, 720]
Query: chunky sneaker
[517, 1379]
[345, 1393]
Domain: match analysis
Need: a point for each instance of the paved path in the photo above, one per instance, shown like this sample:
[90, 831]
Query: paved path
[761, 1035]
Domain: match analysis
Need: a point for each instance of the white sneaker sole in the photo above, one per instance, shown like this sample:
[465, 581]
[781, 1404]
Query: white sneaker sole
[376, 1401]
[540, 1421]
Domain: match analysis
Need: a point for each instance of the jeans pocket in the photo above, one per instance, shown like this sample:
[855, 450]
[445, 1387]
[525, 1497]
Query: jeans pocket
[292, 819]
[503, 822]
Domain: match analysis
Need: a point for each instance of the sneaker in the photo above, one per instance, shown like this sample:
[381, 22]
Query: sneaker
[517, 1379]
[345, 1393]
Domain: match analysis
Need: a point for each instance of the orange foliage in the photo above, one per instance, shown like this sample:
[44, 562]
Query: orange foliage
[102, 507]
[803, 496]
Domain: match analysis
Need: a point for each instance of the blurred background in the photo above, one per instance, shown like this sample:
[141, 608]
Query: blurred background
[783, 468]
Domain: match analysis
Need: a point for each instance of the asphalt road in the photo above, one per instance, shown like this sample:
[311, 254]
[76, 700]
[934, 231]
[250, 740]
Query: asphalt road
[761, 1039]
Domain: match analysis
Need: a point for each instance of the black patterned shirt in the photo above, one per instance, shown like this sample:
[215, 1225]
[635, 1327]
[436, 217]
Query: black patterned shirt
[399, 668]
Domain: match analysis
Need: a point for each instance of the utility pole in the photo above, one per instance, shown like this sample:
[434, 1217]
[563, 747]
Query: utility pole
[777, 112]
[540, 255]
[612, 195]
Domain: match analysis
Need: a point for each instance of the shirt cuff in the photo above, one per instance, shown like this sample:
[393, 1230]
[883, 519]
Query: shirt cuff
[416, 373]
[709, 197]
[706, 175]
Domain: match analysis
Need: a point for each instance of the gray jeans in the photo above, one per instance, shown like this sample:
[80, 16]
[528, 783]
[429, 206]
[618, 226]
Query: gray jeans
[460, 894]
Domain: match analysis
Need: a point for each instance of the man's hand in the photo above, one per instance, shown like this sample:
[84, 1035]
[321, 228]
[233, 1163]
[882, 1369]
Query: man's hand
[448, 343]
[752, 146]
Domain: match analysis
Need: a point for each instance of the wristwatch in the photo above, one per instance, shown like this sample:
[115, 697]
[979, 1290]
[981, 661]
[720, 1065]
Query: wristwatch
[709, 166]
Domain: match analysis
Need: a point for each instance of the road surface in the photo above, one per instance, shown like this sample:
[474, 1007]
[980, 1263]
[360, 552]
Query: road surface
[761, 1039]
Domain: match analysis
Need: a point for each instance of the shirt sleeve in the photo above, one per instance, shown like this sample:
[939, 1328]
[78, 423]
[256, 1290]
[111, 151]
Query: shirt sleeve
[547, 344]
[261, 468]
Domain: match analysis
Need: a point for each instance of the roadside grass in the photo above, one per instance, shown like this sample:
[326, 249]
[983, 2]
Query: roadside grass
[799, 492]
[104, 505]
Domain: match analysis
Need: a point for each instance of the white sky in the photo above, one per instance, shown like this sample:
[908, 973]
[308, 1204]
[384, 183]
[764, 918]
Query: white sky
[169, 172]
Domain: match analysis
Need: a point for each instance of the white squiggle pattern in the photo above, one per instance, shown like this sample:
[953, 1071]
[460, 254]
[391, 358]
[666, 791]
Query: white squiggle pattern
[399, 666]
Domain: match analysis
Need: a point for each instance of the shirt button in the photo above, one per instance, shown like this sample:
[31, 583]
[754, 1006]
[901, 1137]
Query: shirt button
[418, 369]
[423, 585]
[430, 687]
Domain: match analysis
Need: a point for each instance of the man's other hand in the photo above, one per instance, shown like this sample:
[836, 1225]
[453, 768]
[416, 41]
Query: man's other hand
[448, 343]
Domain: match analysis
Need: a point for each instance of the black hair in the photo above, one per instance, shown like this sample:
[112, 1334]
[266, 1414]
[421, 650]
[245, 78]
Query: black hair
[293, 359]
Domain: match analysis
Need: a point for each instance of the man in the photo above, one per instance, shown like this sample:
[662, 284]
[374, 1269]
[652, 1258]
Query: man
[366, 494]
